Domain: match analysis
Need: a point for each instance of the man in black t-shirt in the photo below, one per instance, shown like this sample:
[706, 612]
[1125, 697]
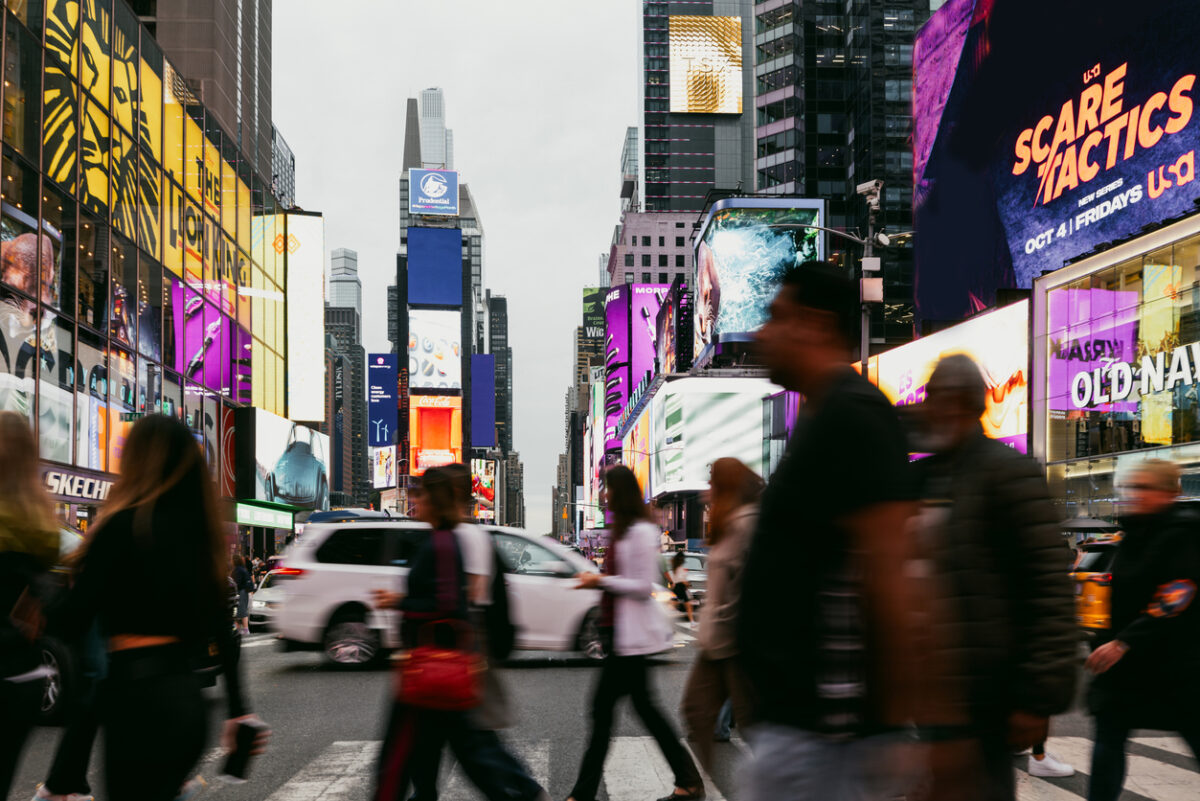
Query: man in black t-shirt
[826, 606]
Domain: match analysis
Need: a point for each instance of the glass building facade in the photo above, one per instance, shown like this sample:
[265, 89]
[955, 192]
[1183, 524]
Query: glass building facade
[142, 261]
[1116, 368]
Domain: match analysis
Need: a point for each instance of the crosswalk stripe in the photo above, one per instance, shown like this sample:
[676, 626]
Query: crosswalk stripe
[342, 772]
[636, 770]
[534, 755]
[1175, 745]
[1149, 777]
[1031, 788]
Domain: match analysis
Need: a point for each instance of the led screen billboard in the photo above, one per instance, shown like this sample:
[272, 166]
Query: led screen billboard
[483, 400]
[696, 421]
[382, 409]
[743, 249]
[705, 64]
[433, 192]
[673, 330]
[998, 342]
[291, 462]
[483, 488]
[305, 247]
[434, 349]
[435, 264]
[616, 362]
[645, 302]
[636, 451]
[593, 312]
[435, 431]
[383, 467]
[1032, 147]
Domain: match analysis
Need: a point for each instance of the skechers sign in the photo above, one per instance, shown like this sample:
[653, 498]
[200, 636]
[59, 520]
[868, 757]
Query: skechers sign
[433, 192]
[76, 486]
[1116, 382]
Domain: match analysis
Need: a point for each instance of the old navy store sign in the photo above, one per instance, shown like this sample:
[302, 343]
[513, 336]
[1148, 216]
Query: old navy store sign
[1157, 373]
[76, 486]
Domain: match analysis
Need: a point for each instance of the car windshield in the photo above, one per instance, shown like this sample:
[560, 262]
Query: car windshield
[693, 563]
[1098, 560]
[274, 580]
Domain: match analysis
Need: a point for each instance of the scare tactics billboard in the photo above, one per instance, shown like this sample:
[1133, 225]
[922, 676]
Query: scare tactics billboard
[1042, 131]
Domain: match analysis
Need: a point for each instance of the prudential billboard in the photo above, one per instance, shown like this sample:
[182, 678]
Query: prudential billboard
[433, 192]
[382, 378]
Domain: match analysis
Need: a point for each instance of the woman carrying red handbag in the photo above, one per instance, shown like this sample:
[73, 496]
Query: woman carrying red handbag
[439, 674]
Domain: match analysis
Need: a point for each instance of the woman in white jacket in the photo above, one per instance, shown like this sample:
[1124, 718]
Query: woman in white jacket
[638, 629]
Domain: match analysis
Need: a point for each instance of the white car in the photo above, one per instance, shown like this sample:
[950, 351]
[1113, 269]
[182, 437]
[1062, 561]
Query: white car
[267, 597]
[335, 567]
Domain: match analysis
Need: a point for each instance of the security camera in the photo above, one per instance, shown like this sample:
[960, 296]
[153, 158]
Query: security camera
[870, 187]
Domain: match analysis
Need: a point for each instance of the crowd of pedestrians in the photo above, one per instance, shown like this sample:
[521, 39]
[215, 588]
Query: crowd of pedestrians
[925, 636]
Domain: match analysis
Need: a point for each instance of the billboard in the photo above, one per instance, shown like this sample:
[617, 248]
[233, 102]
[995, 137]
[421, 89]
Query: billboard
[483, 401]
[483, 488]
[1093, 332]
[636, 451]
[997, 341]
[645, 302]
[616, 361]
[305, 253]
[435, 262]
[435, 432]
[383, 467]
[743, 249]
[695, 421]
[593, 312]
[433, 192]
[434, 349]
[1032, 148]
[291, 462]
[673, 330]
[382, 380]
[706, 64]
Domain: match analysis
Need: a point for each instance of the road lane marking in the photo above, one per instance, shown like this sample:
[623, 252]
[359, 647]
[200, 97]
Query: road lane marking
[636, 770]
[533, 754]
[1031, 788]
[1149, 777]
[343, 772]
[1174, 745]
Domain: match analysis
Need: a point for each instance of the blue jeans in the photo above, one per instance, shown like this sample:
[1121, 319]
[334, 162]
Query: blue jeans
[724, 720]
[799, 765]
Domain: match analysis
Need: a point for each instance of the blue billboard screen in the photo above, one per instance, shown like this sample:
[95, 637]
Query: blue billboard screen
[435, 266]
[1032, 147]
[483, 401]
[382, 379]
[433, 192]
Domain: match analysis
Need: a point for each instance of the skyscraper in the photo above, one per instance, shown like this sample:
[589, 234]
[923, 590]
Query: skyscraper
[698, 123]
[283, 169]
[833, 84]
[437, 141]
[223, 50]
[345, 288]
[498, 345]
[343, 325]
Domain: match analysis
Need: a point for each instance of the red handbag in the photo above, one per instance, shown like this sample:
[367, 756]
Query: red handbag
[434, 677]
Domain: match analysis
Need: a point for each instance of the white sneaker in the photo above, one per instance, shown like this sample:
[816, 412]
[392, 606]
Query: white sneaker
[43, 794]
[1049, 767]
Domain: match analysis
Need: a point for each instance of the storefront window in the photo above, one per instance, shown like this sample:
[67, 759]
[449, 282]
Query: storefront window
[92, 263]
[149, 308]
[56, 384]
[172, 395]
[123, 323]
[91, 403]
[22, 90]
[58, 216]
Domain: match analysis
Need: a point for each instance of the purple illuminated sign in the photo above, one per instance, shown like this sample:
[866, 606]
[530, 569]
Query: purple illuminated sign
[203, 339]
[647, 300]
[1090, 330]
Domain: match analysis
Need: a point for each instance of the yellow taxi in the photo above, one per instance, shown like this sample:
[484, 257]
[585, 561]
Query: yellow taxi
[1092, 575]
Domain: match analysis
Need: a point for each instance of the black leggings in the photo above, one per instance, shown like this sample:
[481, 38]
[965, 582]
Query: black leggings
[155, 725]
[1108, 756]
[628, 675]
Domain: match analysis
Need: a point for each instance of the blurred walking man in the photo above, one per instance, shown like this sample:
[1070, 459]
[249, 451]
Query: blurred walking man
[826, 641]
[1003, 630]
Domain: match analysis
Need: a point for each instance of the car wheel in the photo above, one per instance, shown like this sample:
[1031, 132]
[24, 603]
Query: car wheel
[590, 643]
[350, 642]
[57, 658]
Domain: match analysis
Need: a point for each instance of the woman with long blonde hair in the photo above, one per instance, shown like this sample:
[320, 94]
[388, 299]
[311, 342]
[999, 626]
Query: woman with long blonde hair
[161, 510]
[715, 677]
[28, 548]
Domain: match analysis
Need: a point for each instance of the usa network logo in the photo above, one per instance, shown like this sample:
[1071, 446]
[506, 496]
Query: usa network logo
[433, 192]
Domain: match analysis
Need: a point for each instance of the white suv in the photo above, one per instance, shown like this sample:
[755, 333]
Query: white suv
[334, 568]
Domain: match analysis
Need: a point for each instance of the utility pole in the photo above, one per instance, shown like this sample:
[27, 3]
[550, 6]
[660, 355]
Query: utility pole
[870, 284]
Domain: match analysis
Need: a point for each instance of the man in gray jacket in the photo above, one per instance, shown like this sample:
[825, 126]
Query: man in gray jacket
[1004, 644]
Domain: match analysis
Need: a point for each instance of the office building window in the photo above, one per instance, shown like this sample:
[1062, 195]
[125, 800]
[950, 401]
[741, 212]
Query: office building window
[645, 278]
[679, 241]
[628, 259]
[681, 260]
[678, 225]
[645, 241]
[662, 278]
[662, 241]
[629, 278]
[645, 259]
[897, 90]
[662, 260]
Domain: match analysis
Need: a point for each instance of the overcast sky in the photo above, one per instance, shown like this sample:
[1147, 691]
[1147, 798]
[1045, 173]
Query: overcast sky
[538, 93]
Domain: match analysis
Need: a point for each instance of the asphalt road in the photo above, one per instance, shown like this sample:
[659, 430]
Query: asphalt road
[327, 724]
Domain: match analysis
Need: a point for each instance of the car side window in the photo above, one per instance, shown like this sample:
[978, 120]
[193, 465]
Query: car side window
[352, 546]
[527, 558]
[404, 545]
